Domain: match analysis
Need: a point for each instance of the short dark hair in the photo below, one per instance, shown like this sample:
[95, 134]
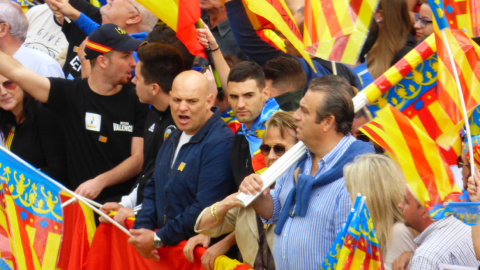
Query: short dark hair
[161, 63]
[337, 101]
[165, 35]
[247, 70]
[286, 74]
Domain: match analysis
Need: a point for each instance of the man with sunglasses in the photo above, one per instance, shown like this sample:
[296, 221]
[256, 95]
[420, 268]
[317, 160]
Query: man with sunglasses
[310, 202]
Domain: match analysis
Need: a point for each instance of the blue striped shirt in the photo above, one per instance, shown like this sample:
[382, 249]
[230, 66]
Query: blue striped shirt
[305, 241]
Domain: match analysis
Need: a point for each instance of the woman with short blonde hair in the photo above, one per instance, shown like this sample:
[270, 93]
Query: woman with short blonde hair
[379, 179]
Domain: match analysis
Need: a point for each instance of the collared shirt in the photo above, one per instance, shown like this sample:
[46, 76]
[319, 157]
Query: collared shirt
[446, 241]
[305, 241]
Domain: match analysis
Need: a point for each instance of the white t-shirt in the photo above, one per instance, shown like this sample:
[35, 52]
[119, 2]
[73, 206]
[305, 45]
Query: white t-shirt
[40, 62]
[43, 33]
[184, 138]
[401, 241]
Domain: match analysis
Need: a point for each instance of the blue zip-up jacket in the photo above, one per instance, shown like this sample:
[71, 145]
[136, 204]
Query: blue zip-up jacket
[200, 176]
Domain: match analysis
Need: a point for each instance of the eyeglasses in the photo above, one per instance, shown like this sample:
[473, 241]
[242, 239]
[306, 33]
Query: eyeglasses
[9, 85]
[423, 21]
[279, 150]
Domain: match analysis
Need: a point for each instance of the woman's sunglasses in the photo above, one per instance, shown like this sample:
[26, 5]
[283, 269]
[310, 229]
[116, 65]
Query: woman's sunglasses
[279, 150]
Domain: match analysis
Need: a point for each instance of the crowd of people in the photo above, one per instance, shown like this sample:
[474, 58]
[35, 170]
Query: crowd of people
[137, 123]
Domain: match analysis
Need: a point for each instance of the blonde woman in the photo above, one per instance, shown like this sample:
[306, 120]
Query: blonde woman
[379, 179]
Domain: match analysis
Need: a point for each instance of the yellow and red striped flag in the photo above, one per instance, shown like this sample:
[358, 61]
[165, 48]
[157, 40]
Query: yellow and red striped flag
[278, 14]
[463, 15]
[428, 176]
[30, 215]
[467, 58]
[336, 30]
[181, 16]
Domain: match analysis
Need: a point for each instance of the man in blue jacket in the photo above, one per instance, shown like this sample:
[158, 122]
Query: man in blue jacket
[192, 170]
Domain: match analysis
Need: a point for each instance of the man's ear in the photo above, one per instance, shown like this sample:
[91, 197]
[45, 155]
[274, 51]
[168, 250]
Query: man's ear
[266, 93]
[329, 123]
[4, 29]
[134, 19]
[102, 61]
[155, 89]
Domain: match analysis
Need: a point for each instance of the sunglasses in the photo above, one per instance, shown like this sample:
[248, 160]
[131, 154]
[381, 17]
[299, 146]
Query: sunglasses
[279, 150]
[9, 85]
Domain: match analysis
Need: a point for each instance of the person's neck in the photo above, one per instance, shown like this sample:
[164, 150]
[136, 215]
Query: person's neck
[100, 85]
[425, 224]
[18, 113]
[217, 16]
[10, 46]
[161, 103]
[320, 148]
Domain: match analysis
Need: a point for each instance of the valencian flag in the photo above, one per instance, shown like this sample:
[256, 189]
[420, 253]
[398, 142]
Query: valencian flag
[277, 16]
[416, 96]
[428, 176]
[26, 4]
[336, 30]
[181, 16]
[30, 215]
[466, 56]
[463, 15]
[332, 258]
[474, 121]
[360, 249]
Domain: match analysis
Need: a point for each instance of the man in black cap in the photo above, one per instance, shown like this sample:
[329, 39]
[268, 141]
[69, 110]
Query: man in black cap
[102, 117]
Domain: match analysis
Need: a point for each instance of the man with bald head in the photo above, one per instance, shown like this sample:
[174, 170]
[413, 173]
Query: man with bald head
[192, 170]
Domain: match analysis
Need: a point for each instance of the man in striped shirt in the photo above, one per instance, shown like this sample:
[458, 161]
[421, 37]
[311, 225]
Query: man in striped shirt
[446, 241]
[310, 207]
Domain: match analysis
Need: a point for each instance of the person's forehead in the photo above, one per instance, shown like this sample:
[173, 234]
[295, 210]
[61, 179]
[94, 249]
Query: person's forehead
[425, 11]
[238, 88]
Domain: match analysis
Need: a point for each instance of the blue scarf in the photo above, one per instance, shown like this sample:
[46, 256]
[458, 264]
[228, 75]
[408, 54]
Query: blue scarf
[300, 193]
[254, 136]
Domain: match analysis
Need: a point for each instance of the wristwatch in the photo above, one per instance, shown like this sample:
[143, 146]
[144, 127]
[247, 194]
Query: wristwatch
[157, 242]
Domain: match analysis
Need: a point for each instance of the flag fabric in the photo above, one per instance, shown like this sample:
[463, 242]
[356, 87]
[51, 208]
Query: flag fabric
[78, 232]
[428, 176]
[360, 248]
[336, 30]
[278, 15]
[223, 262]
[402, 68]
[30, 215]
[415, 95]
[231, 121]
[98, 3]
[26, 4]
[474, 121]
[455, 46]
[110, 250]
[181, 16]
[467, 212]
[463, 15]
[331, 260]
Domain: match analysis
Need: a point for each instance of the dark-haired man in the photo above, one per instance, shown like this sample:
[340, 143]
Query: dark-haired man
[310, 215]
[157, 67]
[101, 116]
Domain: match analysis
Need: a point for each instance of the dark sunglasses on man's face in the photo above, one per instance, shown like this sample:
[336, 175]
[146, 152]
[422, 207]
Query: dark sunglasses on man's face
[279, 150]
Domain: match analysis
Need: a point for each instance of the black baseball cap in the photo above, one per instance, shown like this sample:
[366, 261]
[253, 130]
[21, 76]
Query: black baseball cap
[109, 37]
